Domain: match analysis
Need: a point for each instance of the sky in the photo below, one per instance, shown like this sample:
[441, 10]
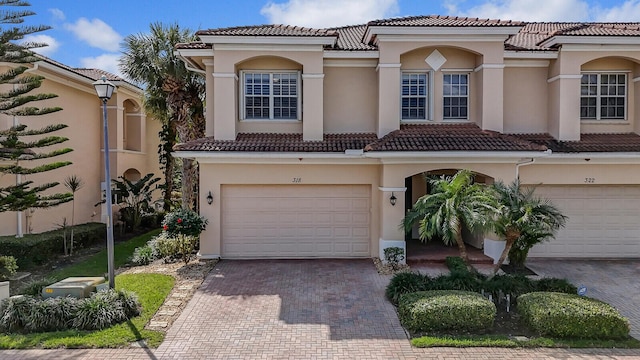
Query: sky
[89, 34]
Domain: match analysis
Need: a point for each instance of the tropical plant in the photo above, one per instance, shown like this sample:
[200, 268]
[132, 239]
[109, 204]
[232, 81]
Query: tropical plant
[135, 198]
[523, 215]
[16, 101]
[73, 183]
[173, 95]
[454, 203]
[184, 226]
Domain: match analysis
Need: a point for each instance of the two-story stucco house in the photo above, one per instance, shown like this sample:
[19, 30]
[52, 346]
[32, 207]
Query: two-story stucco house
[133, 143]
[317, 139]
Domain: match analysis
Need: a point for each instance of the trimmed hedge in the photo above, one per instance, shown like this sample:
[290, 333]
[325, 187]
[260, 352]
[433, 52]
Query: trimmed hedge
[444, 310]
[571, 316]
[38, 248]
[404, 283]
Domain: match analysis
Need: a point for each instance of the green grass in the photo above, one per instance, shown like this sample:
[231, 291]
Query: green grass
[97, 264]
[151, 289]
[506, 342]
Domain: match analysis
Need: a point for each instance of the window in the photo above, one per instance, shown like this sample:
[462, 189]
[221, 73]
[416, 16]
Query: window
[271, 95]
[414, 95]
[455, 93]
[603, 96]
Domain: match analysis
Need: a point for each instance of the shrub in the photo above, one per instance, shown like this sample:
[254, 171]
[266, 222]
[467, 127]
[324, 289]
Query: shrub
[142, 255]
[34, 287]
[403, 283]
[101, 310]
[571, 316]
[52, 314]
[514, 285]
[455, 263]
[8, 267]
[458, 280]
[445, 310]
[38, 248]
[180, 246]
[15, 311]
[184, 222]
[555, 285]
[393, 256]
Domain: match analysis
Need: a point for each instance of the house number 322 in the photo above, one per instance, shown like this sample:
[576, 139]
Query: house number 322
[296, 180]
[589, 180]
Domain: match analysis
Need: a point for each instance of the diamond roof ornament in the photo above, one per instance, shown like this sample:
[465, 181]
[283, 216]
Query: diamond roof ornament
[435, 60]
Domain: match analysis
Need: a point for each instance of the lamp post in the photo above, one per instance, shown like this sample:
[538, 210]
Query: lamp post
[104, 89]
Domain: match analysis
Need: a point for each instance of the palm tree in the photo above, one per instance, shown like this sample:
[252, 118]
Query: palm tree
[454, 203]
[173, 95]
[523, 215]
[73, 183]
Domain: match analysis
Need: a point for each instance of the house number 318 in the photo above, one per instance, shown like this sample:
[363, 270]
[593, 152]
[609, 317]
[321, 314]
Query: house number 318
[296, 180]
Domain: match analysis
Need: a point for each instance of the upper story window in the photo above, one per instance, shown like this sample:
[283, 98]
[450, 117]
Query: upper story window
[270, 95]
[455, 93]
[414, 96]
[603, 96]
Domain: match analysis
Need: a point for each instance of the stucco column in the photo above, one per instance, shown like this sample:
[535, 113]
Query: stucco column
[312, 108]
[209, 96]
[564, 109]
[224, 105]
[492, 104]
[388, 98]
[391, 235]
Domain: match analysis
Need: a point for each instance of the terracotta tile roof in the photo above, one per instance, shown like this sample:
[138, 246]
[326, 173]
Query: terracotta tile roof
[350, 38]
[193, 45]
[438, 20]
[96, 74]
[263, 142]
[450, 137]
[623, 142]
[267, 30]
[533, 34]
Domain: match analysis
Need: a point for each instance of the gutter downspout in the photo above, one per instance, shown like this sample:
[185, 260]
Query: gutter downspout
[187, 64]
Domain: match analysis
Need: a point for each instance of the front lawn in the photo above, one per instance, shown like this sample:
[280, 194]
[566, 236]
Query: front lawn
[151, 289]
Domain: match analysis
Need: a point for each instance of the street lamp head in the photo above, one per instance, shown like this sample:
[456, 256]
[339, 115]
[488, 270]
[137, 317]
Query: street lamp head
[104, 88]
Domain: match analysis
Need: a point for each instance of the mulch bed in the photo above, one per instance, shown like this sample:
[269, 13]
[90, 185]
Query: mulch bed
[513, 270]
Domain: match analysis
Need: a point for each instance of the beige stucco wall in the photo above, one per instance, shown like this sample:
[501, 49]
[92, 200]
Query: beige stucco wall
[349, 99]
[82, 113]
[525, 100]
[581, 172]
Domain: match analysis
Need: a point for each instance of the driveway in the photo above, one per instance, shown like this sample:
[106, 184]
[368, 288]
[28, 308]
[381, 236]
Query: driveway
[325, 309]
[613, 281]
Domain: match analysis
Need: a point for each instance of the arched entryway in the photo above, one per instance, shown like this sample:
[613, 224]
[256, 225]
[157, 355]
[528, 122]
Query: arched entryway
[434, 249]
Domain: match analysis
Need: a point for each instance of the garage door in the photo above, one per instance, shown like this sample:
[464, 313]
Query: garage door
[301, 221]
[604, 221]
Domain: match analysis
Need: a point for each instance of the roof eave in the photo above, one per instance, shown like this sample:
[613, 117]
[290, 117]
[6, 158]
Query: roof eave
[272, 40]
[555, 41]
[373, 31]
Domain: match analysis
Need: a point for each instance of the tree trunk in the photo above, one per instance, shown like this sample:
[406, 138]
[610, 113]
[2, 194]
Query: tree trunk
[510, 239]
[189, 180]
[169, 167]
[463, 249]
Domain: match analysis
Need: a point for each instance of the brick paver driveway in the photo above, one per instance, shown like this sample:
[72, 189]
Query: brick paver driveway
[314, 309]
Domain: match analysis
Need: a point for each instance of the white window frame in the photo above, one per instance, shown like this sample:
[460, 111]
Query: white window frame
[599, 95]
[272, 118]
[429, 96]
[468, 75]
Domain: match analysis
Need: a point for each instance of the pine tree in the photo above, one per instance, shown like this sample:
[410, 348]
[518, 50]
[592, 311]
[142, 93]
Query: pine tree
[18, 144]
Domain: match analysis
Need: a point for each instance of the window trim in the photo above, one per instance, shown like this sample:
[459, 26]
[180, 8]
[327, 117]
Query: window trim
[242, 96]
[468, 97]
[598, 119]
[429, 102]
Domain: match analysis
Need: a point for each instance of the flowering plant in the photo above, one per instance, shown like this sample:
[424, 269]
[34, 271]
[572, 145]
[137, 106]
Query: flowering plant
[184, 222]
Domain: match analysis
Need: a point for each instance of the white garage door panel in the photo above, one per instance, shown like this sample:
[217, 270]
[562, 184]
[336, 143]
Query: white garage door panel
[280, 221]
[604, 221]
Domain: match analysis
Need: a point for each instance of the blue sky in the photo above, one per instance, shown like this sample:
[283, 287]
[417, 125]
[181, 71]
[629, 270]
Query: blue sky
[89, 33]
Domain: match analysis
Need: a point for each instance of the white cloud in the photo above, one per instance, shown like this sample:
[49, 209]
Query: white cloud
[628, 11]
[52, 44]
[529, 10]
[57, 14]
[328, 13]
[96, 33]
[106, 62]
